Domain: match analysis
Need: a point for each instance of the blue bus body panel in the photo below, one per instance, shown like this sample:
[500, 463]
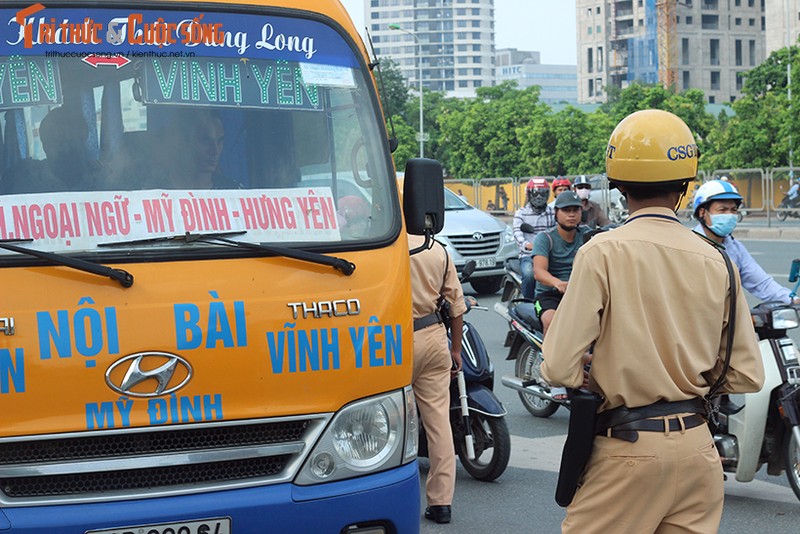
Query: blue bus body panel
[391, 497]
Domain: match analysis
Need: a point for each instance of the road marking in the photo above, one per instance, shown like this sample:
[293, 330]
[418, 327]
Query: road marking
[544, 454]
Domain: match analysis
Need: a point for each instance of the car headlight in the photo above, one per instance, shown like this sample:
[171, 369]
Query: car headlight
[366, 436]
[509, 234]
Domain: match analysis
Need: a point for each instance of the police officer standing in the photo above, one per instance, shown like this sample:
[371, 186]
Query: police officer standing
[654, 466]
[433, 274]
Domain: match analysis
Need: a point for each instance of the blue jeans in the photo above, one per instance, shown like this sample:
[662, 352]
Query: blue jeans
[528, 281]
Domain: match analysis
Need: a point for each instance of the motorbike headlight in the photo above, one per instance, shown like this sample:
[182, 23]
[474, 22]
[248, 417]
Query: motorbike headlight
[509, 234]
[365, 436]
[785, 319]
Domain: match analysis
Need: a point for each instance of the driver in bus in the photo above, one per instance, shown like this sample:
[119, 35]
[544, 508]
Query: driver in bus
[63, 133]
[194, 142]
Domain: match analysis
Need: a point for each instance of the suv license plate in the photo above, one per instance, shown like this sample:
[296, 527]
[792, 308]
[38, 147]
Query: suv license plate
[485, 262]
[218, 525]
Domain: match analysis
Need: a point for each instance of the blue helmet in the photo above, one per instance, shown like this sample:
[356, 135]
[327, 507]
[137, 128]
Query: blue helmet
[715, 190]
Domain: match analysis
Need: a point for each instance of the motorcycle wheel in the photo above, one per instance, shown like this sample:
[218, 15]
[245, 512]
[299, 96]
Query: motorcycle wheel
[781, 215]
[487, 286]
[793, 462]
[528, 366]
[492, 447]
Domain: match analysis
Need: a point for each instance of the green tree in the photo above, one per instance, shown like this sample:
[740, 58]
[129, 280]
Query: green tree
[479, 138]
[407, 146]
[765, 124]
[392, 88]
[567, 142]
[689, 105]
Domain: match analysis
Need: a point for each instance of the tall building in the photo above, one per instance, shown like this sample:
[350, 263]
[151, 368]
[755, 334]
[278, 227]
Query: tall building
[558, 83]
[455, 38]
[780, 15]
[713, 42]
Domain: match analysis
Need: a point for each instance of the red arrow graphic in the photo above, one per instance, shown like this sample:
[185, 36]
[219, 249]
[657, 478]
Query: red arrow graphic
[118, 60]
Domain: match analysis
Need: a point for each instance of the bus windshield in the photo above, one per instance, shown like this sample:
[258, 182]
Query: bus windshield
[126, 125]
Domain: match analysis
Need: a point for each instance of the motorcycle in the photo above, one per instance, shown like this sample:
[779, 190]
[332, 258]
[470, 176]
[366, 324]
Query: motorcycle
[524, 340]
[490, 439]
[789, 207]
[766, 429]
[618, 213]
[511, 284]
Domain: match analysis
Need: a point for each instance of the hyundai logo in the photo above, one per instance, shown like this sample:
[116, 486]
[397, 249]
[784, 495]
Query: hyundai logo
[477, 236]
[148, 374]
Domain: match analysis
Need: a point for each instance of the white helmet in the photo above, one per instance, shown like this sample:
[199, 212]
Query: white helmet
[715, 190]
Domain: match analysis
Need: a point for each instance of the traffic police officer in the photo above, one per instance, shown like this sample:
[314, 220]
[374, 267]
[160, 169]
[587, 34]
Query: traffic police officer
[655, 356]
[433, 274]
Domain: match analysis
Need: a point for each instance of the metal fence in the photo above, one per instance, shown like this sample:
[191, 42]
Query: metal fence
[763, 191]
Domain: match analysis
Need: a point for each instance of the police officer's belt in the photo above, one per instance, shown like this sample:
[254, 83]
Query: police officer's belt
[427, 320]
[624, 422]
[630, 431]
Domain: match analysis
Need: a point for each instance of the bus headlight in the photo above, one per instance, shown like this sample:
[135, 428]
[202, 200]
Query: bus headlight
[365, 436]
[412, 426]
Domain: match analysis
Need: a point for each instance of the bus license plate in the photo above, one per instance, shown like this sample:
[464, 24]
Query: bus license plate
[485, 262]
[218, 525]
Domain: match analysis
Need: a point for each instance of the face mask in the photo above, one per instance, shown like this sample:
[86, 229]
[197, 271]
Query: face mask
[723, 224]
[583, 194]
[538, 199]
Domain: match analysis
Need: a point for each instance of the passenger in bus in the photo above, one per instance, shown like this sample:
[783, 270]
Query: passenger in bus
[353, 215]
[189, 149]
[63, 133]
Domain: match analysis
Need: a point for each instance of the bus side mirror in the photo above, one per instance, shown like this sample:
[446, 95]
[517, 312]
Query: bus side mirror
[423, 196]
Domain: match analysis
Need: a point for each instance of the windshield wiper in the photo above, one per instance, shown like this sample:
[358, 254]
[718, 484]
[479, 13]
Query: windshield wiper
[217, 238]
[123, 277]
[188, 237]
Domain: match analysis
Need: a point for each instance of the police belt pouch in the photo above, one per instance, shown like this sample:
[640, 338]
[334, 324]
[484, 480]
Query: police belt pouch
[578, 447]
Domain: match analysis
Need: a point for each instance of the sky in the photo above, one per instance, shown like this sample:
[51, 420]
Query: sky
[546, 26]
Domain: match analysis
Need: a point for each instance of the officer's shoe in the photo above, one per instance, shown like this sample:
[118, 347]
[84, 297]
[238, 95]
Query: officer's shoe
[440, 514]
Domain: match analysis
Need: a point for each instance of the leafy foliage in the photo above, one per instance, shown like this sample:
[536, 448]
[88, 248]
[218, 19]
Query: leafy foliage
[508, 132]
[392, 86]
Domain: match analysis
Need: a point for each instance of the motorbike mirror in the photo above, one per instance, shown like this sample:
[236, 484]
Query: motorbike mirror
[468, 269]
[794, 272]
[527, 228]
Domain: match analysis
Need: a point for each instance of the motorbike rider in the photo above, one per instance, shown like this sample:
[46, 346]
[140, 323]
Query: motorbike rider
[653, 466]
[553, 254]
[559, 185]
[716, 203]
[434, 277]
[592, 215]
[541, 217]
[794, 193]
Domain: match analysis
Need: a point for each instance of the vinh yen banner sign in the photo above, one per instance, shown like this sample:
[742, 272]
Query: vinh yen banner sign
[228, 82]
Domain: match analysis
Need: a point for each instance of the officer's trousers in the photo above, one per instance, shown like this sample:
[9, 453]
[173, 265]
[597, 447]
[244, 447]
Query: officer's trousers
[666, 482]
[431, 383]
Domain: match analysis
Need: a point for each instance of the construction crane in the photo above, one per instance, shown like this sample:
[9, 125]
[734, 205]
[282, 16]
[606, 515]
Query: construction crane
[667, 43]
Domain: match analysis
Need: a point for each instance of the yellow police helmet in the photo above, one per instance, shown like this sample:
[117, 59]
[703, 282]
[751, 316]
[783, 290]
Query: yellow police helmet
[650, 147]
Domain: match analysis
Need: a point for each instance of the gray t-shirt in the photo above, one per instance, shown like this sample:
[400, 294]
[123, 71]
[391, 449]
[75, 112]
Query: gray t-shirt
[560, 254]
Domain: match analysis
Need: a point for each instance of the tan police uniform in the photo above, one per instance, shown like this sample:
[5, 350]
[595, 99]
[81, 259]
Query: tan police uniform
[654, 296]
[432, 363]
